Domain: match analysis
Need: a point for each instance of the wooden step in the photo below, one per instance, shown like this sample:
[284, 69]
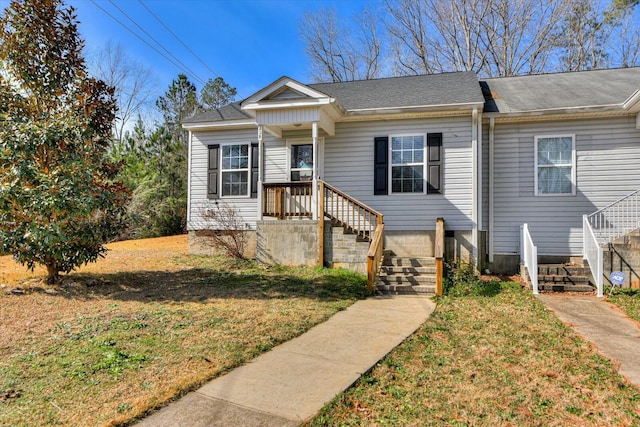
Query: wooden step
[406, 289]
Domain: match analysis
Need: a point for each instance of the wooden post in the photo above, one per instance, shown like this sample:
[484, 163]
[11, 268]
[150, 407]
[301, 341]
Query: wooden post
[439, 254]
[320, 223]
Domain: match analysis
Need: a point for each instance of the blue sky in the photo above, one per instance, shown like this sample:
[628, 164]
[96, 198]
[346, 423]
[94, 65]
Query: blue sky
[250, 43]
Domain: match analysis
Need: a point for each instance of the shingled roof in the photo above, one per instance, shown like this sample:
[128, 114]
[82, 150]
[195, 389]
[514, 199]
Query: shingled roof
[575, 90]
[445, 89]
[405, 92]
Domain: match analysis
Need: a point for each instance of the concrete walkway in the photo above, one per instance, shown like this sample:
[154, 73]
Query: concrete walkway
[292, 382]
[616, 336]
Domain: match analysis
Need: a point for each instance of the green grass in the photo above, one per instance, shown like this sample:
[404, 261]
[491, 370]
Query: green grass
[491, 354]
[105, 349]
[628, 300]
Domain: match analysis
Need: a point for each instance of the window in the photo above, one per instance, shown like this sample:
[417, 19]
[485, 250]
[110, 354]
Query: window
[407, 164]
[301, 162]
[235, 173]
[235, 170]
[555, 165]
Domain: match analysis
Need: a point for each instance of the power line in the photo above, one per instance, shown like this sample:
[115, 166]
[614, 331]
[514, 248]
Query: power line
[157, 43]
[176, 37]
[143, 40]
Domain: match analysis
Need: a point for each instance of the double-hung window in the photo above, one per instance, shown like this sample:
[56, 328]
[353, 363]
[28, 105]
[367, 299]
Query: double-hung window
[235, 170]
[407, 163]
[555, 165]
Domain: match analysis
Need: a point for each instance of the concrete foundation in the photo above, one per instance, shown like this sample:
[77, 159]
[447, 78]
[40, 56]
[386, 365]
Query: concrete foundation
[287, 242]
[344, 250]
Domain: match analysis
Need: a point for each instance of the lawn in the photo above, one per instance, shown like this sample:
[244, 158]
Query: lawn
[628, 300]
[145, 325]
[492, 355]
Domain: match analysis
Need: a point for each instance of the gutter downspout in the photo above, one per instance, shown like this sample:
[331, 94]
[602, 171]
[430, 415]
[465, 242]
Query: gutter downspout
[492, 125]
[474, 184]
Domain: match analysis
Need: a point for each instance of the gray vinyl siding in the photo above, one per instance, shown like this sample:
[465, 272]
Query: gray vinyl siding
[349, 166]
[607, 159]
[198, 201]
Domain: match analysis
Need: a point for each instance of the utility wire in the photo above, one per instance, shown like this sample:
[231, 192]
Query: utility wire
[140, 38]
[195, 76]
[176, 37]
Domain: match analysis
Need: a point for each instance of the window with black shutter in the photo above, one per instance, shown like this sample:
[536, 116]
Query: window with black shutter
[213, 172]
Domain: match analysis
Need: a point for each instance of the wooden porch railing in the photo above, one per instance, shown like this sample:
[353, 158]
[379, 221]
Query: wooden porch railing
[374, 256]
[287, 199]
[349, 212]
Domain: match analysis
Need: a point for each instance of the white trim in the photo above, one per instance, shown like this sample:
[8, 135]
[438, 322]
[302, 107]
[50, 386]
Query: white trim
[247, 170]
[573, 164]
[282, 82]
[295, 103]
[474, 186]
[492, 124]
[633, 102]
[424, 163]
[189, 178]
[430, 107]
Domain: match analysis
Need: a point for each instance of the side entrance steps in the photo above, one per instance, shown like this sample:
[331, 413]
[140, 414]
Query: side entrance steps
[564, 278]
[407, 275]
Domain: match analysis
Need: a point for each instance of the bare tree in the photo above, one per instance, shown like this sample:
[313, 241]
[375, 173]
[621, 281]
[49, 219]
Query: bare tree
[341, 52]
[134, 84]
[624, 43]
[409, 31]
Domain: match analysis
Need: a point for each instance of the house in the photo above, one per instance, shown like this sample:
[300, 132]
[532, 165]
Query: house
[486, 155]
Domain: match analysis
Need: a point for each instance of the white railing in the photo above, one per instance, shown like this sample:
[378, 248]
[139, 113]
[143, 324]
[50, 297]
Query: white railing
[592, 252]
[617, 219]
[529, 254]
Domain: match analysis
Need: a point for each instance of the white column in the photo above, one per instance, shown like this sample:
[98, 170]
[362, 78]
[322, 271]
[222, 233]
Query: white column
[314, 138]
[260, 170]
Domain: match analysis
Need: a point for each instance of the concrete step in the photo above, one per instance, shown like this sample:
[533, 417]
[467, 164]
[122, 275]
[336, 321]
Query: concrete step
[408, 261]
[412, 271]
[405, 289]
[402, 279]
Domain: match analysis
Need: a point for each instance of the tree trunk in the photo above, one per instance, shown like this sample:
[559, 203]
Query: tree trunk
[52, 274]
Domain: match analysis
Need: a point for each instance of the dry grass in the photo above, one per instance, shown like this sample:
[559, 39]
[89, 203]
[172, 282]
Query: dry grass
[144, 325]
[500, 359]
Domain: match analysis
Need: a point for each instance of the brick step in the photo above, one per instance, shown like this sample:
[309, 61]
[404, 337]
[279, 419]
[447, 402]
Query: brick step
[402, 279]
[406, 289]
[563, 270]
[562, 279]
[412, 271]
[556, 287]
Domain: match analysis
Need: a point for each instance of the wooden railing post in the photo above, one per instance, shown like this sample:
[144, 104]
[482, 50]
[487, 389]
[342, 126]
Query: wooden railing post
[439, 254]
[321, 211]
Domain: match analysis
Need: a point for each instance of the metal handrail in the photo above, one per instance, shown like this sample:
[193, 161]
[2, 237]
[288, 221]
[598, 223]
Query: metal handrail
[616, 219]
[529, 255]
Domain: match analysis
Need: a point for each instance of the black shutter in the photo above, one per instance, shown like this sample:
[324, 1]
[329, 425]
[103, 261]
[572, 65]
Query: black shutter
[254, 169]
[213, 172]
[381, 165]
[434, 163]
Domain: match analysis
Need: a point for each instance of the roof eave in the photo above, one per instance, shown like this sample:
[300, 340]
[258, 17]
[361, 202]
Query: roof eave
[633, 102]
[217, 125]
[415, 109]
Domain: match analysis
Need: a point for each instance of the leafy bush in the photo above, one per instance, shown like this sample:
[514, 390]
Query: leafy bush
[462, 279]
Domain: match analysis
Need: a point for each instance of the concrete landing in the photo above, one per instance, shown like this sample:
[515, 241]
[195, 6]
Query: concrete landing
[616, 336]
[292, 382]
